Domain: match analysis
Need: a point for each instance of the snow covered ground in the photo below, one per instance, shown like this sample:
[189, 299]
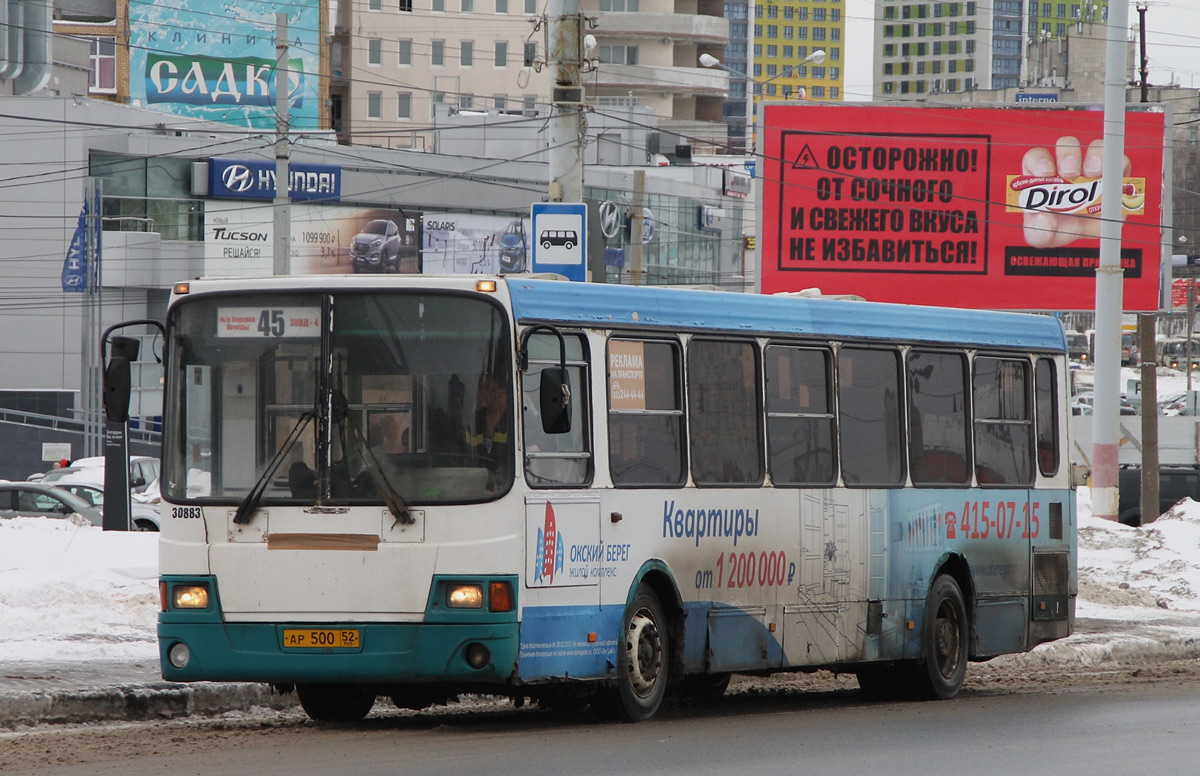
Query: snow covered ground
[70, 591]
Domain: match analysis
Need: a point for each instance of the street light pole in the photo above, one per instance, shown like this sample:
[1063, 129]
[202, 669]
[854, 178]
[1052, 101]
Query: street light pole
[708, 60]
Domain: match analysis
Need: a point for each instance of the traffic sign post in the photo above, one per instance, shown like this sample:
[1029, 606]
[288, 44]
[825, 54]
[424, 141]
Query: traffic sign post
[560, 238]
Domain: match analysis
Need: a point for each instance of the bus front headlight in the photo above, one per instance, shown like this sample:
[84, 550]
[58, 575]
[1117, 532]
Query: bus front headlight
[189, 597]
[465, 597]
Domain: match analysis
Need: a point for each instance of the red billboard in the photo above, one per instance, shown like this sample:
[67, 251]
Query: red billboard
[995, 208]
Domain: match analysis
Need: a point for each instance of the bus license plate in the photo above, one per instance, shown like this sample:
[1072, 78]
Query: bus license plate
[320, 638]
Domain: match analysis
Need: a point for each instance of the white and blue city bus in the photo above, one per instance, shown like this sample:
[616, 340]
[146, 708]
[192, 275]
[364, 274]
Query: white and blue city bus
[574, 493]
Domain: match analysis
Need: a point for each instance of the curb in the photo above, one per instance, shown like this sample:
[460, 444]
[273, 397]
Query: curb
[134, 703]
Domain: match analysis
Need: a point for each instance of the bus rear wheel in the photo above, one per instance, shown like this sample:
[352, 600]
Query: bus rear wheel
[642, 659]
[942, 669]
[335, 702]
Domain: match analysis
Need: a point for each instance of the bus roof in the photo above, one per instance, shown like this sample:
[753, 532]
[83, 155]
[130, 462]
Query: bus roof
[648, 307]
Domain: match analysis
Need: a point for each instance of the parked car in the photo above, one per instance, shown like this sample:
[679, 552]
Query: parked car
[143, 514]
[377, 247]
[1175, 483]
[35, 499]
[143, 469]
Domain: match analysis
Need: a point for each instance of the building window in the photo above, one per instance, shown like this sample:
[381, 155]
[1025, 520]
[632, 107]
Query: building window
[818, 92]
[468, 6]
[818, 33]
[772, 31]
[834, 93]
[772, 12]
[500, 101]
[530, 54]
[529, 105]
[103, 78]
[375, 51]
[375, 5]
[374, 105]
[404, 105]
[405, 6]
[466, 53]
[628, 6]
[501, 6]
[438, 6]
[437, 53]
[405, 56]
[500, 58]
[531, 6]
[619, 55]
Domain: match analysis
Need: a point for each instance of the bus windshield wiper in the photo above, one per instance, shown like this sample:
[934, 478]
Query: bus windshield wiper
[245, 510]
[395, 502]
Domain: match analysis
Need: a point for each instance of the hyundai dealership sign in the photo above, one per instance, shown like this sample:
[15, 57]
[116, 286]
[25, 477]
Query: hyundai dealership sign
[242, 179]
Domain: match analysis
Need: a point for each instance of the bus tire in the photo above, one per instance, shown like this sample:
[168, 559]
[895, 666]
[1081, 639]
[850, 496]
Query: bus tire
[335, 702]
[643, 656]
[942, 669]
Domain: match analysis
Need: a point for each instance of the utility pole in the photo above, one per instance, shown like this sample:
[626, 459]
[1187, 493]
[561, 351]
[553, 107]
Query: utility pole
[1109, 275]
[1143, 65]
[282, 209]
[565, 56]
[1147, 324]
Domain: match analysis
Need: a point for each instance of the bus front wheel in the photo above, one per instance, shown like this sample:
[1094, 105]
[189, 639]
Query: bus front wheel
[335, 702]
[642, 660]
[942, 669]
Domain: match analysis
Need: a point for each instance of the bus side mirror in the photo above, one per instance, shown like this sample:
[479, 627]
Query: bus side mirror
[118, 383]
[555, 400]
[117, 389]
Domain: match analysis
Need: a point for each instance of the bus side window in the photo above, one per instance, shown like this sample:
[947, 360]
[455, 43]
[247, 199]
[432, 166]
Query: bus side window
[1003, 425]
[1046, 410]
[555, 460]
[938, 435]
[800, 438]
[869, 416]
[723, 415]
[645, 413]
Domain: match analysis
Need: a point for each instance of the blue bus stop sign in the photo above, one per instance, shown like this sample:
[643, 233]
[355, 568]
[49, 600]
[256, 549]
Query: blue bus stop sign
[560, 238]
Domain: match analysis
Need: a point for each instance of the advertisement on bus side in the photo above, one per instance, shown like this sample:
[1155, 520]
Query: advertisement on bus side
[995, 208]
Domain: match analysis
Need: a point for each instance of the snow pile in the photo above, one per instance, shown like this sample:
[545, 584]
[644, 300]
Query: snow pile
[70, 591]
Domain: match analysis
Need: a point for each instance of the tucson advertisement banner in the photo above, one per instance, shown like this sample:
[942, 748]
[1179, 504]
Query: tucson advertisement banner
[217, 61]
[326, 239]
[995, 208]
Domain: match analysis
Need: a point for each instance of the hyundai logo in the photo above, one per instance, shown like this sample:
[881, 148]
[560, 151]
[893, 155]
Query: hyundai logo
[237, 178]
[73, 280]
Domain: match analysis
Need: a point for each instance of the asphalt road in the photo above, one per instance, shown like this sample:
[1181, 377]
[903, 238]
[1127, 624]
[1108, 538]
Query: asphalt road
[1117, 723]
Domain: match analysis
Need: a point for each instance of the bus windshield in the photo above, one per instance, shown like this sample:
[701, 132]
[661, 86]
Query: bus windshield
[335, 399]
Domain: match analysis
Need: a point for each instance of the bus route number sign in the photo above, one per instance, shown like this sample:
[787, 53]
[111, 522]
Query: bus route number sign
[269, 322]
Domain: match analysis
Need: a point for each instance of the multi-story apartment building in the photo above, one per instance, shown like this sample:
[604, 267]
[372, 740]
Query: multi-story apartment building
[1053, 21]
[398, 65]
[767, 58]
[927, 48]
